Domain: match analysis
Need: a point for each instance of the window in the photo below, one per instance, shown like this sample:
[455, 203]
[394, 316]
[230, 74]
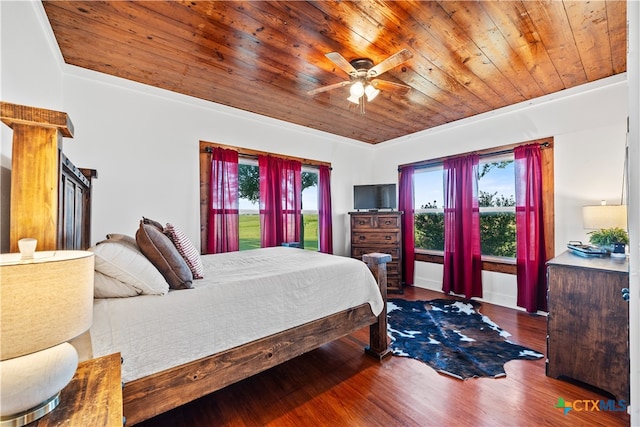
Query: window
[249, 196]
[496, 196]
[309, 228]
[428, 200]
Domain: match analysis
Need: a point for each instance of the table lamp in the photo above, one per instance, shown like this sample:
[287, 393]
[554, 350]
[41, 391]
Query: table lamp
[45, 300]
[604, 216]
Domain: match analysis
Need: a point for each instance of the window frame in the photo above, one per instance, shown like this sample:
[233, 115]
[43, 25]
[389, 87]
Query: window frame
[499, 264]
[205, 177]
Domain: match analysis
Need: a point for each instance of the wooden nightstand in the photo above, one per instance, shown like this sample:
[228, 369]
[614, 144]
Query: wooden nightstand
[92, 398]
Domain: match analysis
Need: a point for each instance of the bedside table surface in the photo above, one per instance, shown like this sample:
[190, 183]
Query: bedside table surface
[92, 398]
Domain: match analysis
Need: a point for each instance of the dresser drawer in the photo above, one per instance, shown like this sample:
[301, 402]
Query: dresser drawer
[375, 222]
[362, 222]
[358, 251]
[387, 221]
[375, 237]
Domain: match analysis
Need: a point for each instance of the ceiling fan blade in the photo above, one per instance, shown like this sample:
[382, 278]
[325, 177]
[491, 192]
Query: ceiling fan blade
[392, 61]
[387, 85]
[344, 65]
[329, 87]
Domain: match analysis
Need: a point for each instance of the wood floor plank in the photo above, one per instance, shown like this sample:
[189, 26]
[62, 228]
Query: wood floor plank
[338, 385]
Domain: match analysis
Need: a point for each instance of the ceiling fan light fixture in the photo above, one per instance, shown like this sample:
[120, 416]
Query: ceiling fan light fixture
[371, 92]
[357, 89]
[354, 99]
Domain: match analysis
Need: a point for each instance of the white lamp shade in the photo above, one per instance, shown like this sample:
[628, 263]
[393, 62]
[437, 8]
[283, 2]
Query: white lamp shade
[44, 301]
[604, 216]
[371, 92]
[357, 89]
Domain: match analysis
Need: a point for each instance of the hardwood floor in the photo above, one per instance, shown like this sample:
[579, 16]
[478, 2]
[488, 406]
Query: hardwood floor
[338, 385]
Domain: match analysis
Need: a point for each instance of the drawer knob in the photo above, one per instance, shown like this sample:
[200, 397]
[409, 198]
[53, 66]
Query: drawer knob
[362, 237]
[625, 294]
[361, 223]
[387, 237]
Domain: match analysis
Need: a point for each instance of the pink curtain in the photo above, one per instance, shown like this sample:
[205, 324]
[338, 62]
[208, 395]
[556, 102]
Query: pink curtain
[530, 250]
[280, 200]
[405, 204]
[462, 256]
[325, 228]
[223, 208]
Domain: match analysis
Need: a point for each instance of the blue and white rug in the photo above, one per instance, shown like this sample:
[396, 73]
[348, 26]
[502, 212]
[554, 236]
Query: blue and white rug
[452, 338]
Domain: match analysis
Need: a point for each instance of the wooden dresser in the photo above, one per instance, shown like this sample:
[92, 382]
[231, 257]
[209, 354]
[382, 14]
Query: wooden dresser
[379, 232]
[588, 323]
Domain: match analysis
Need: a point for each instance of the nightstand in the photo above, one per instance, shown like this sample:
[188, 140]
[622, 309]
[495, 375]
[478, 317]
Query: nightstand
[92, 398]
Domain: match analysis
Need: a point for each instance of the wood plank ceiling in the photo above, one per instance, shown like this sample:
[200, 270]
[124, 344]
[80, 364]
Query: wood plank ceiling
[469, 57]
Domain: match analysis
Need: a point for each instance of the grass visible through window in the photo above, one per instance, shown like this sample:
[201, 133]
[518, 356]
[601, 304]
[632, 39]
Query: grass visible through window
[250, 231]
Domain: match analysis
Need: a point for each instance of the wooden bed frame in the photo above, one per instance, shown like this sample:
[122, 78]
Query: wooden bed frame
[152, 395]
[147, 397]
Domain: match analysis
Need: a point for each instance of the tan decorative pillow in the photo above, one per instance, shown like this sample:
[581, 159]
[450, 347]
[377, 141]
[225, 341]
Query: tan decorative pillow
[108, 287]
[159, 249]
[123, 238]
[186, 249]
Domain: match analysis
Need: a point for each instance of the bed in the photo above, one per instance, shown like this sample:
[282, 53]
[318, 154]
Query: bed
[251, 311]
[126, 314]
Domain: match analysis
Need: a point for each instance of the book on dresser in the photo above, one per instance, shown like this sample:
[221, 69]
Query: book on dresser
[379, 231]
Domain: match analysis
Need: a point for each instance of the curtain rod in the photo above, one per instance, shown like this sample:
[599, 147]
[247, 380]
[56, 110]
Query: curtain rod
[253, 154]
[440, 161]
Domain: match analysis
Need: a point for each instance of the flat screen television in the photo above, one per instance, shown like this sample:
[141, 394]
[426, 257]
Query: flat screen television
[374, 197]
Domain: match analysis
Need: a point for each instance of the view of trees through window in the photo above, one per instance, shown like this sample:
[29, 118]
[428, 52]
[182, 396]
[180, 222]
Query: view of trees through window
[496, 198]
[249, 195]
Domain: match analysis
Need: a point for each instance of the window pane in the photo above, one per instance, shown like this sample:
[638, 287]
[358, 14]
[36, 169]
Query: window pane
[249, 198]
[496, 196]
[309, 229]
[429, 203]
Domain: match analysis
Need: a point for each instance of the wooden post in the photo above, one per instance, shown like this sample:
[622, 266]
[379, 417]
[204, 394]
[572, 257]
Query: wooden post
[378, 346]
[37, 141]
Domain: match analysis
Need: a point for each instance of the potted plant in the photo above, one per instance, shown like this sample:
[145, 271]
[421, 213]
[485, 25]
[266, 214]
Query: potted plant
[611, 239]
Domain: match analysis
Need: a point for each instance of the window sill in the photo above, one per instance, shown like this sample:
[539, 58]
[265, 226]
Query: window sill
[489, 263]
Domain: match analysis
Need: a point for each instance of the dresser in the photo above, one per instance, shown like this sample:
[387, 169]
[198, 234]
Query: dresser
[379, 232]
[588, 322]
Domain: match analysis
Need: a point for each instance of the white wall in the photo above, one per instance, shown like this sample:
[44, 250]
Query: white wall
[589, 128]
[30, 74]
[144, 143]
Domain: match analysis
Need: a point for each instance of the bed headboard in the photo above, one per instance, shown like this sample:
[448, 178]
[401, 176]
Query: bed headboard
[50, 196]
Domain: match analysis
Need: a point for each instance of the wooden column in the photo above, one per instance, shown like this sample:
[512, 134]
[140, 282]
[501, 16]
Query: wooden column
[37, 141]
[377, 263]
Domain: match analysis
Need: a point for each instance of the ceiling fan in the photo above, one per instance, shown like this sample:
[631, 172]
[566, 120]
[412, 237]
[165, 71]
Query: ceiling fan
[363, 77]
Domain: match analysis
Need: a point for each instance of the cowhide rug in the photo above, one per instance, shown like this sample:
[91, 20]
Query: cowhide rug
[452, 338]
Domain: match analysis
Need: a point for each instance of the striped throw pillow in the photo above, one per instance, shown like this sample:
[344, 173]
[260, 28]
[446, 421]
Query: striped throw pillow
[186, 248]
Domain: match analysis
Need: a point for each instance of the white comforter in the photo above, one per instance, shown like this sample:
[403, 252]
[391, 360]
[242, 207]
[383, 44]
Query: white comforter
[243, 297]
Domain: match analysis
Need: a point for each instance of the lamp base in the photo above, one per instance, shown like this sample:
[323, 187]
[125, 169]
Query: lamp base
[30, 415]
[30, 385]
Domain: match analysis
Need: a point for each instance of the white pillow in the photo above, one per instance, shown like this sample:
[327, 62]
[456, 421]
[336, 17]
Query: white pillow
[127, 264]
[107, 287]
